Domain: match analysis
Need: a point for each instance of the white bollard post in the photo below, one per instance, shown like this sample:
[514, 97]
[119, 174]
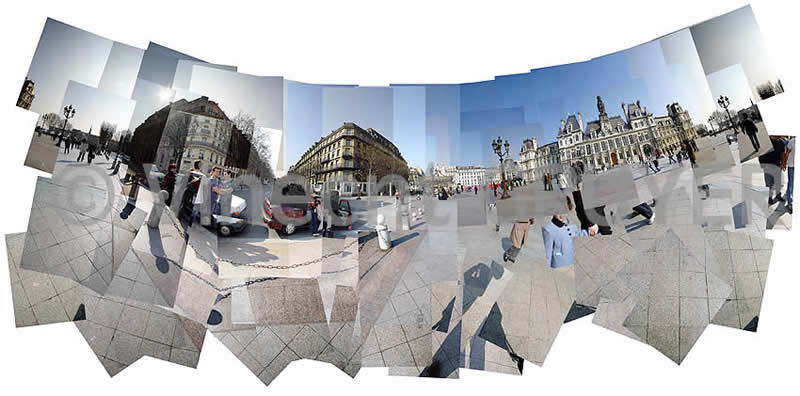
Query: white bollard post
[158, 209]
[384, 237]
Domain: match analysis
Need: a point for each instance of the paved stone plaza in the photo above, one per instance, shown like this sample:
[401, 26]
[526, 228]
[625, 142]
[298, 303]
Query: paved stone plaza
[441, 299]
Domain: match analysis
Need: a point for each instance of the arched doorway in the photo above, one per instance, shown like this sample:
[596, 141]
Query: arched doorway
[648, 150]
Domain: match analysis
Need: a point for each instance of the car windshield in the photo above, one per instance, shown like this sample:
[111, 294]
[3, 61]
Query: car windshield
[293, 189]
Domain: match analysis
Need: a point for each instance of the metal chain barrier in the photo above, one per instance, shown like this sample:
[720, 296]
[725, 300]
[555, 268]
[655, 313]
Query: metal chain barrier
[180, 231]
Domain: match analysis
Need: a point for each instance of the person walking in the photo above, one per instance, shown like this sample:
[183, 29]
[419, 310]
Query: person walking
[214, 190]
[751, 130]
[83, 149]
[770, 165]
[557, 235]
[518, 237]
[562, 182]
[168, 183]
[690, 153]
[67, 144]
[650, 167]
[90, 153]
[680, 158]
[646, 211]
[314, 217]
[577, 175]
[788, 164]
[225, 194]
[193, 180]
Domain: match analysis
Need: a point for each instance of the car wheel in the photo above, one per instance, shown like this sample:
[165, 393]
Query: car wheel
[290, 229]
[225, 230]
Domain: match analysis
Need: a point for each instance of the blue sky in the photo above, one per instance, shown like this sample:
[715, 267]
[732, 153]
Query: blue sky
[93, 106]
[731, 39]
[65, 53]
[441, 124]
[260, 97]
[459, 122]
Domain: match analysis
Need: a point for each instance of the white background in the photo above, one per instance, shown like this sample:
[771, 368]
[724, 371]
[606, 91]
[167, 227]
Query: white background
[376, 43]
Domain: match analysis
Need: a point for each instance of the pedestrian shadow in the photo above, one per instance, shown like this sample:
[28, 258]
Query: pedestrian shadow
[773, 218]
[750, 156]
[447, 313]
[445, 360]
[492, 331]
[476, 280]
[637, 225]
[157, 250]
[245, 253]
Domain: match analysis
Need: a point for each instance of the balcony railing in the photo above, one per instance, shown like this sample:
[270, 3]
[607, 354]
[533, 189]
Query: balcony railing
[200, 143]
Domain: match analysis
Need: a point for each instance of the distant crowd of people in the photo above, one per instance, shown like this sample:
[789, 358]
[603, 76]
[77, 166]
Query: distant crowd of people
[87, 150]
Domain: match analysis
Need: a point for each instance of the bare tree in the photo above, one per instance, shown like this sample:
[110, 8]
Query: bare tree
[767, 90]
[50, 120]
[373, 163]
[175, 132]
[259, 139]
[107, 131]
[718, 117]
[119, 134]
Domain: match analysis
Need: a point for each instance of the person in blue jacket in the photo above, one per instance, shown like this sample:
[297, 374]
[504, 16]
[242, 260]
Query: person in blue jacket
[557, 235]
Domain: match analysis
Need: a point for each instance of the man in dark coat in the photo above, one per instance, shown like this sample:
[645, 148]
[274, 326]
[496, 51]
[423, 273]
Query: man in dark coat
[751, 130]
[168, 183]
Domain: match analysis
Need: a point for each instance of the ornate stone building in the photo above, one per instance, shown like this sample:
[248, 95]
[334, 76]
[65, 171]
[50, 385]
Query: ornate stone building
[608, 141]
[347, 157]
[195, 131]
[468, 176]
[415, 179]
[25, 99]
[536, 161]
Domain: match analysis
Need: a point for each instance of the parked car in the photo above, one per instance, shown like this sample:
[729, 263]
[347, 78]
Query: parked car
[233, 224]
[341, 214]
[295, 214]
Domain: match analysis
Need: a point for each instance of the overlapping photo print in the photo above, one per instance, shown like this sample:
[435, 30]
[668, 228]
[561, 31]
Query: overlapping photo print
[425, 228]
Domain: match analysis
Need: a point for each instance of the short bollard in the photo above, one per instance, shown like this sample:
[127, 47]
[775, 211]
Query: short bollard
[384, 237]
[158, 209]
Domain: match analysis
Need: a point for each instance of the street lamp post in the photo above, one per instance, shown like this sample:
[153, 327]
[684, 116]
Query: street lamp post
[69, 112]
[498, 146]
[725, 102]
